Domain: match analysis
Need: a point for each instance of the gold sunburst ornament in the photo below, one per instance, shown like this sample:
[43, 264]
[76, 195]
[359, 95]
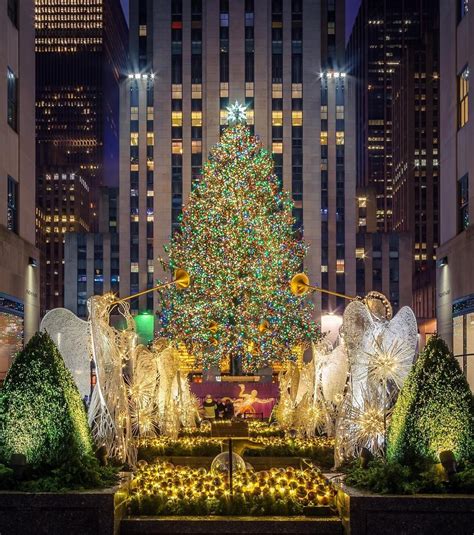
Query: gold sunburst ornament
[213, 326]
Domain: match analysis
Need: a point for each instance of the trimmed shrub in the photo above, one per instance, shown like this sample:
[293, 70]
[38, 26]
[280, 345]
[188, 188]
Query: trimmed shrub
[434, 411]
[41, 411]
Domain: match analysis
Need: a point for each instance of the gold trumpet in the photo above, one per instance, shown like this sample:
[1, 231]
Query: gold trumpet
[181, 279]
[376, 302]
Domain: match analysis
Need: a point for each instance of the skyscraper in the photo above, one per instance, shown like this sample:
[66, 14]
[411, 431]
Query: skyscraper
[415, 160]
[393, 54]
[382, 31]
[19, 259]
[190, 59]
[455, 282]
[81, 52]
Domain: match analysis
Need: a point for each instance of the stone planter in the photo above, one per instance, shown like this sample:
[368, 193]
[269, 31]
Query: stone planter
[231, 526]
[95, 512]
[365, 513]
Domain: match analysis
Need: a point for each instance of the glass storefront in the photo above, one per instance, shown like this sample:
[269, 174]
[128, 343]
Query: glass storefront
[463, 336]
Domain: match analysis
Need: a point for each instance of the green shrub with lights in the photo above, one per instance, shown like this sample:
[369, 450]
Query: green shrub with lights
[42, 417]
[434, 411]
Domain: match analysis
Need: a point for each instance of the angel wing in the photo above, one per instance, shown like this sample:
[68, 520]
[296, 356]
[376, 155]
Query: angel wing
[72, 337]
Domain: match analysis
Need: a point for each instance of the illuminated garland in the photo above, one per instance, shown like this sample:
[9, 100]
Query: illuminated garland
[236, 241]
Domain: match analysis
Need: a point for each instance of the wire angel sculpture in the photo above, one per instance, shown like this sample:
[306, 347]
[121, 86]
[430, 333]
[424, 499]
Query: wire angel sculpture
[380, 354]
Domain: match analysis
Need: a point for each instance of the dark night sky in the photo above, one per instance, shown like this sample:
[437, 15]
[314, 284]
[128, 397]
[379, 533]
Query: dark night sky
[351, 7]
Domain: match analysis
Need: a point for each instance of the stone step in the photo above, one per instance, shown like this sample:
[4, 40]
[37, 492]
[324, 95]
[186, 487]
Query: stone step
[231, 525]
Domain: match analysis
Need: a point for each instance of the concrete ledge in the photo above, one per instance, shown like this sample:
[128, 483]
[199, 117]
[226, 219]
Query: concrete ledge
[96, 512]
[365, 513]
[232, 525]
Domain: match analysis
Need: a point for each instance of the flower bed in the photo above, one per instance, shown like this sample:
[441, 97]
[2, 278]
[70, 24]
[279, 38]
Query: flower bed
[165, 489]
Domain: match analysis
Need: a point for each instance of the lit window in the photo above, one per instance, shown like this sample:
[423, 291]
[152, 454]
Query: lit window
[177, 91]
[149, 113]
[250, 117]
[339, 138]
[249, 89]
[134, 267]
[223, 117]
[296, 90]
[339, 112]
[151, 267]
[134, 113]
[277, 118]
[324, 269]
[133, 139]
[277, 147]
[277, 91]
[463, 97]
[196, 91]
[297, 118]
[150, 165]
[360, 253]
[362, 202]
[324, 112]
[177, 147]
[196, 118]
[196, 146]
[177, 118]
[339, 266]
[142, 30]
[463, 202]
[134, 167]
[324, 138]
[224, 90]
[150, 139]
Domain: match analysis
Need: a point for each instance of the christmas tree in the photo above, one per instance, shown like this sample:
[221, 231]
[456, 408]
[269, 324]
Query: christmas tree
[236, 241]
[434, 411]
[41, 412]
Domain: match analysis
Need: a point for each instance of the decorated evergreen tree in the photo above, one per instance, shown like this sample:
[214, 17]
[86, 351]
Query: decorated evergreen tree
[236, 241]
[41, 412]
[434, 411]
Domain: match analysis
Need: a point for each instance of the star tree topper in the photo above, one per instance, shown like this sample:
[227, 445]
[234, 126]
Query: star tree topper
[237, 113]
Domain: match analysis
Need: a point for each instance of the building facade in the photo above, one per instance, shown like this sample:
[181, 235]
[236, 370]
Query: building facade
[81, 53]
[455, 283]
[19, 260]
[393, 54]
[190, 59]
[383, 259]
[415, 161]
[92, 259]
[382, 31]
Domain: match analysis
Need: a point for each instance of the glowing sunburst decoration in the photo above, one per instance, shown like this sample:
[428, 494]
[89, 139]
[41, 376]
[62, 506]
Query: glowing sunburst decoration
[237, 113]
[365, 424]
[389, 361]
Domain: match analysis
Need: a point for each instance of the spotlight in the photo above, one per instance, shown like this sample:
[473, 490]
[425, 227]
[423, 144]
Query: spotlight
[448, 461]
[365, 458]
[443, 261]
[32, 262]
